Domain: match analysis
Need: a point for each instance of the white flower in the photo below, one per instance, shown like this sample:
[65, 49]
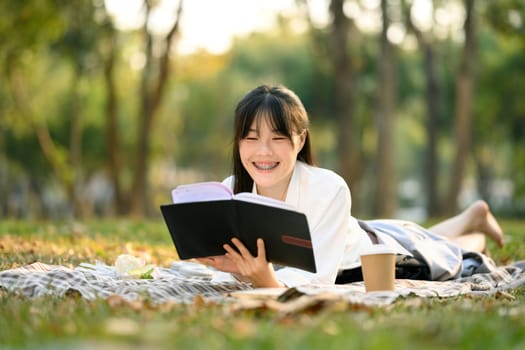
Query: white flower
[126, 263]
[132, 267]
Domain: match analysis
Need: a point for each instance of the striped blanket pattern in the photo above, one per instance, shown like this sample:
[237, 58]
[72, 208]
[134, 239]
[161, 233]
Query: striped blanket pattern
[172, 285]
[38, 279]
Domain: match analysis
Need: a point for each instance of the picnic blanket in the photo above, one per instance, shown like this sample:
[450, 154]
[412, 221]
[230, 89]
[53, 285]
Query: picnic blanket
[184, 281]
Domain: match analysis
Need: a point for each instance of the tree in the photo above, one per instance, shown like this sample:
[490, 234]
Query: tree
[154, 77]
[77, 45]
[385, 176]
[432, 100]
[40, 31]
[158, 49]
[348, 150]
[499, 141]
[463, 111]
[108, 52]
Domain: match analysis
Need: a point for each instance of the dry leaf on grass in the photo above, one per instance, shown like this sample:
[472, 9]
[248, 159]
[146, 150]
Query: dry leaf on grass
[116, 301]
[122, 326]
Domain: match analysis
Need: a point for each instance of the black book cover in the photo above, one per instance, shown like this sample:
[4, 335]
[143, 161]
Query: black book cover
[199, 229]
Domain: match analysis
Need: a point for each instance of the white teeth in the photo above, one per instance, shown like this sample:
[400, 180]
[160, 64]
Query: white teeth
[265, 166]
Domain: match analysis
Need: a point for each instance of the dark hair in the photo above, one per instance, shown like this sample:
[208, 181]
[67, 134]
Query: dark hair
[286, 114]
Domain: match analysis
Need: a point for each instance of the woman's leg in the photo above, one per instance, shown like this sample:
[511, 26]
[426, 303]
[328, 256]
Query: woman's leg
[477, 218]
[472, 242]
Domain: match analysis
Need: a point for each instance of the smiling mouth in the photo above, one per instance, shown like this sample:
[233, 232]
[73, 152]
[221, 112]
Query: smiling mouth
[265, 166]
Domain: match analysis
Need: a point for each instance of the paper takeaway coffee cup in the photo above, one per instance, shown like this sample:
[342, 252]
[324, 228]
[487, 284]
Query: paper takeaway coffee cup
[378, 266]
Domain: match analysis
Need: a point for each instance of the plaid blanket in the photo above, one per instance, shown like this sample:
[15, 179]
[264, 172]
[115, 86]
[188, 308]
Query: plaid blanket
[102, 281]
[182, 283]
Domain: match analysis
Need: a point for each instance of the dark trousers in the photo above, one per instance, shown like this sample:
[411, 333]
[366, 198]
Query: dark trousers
[407, 267]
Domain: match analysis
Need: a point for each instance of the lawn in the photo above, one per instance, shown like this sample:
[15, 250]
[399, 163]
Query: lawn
[496, 322]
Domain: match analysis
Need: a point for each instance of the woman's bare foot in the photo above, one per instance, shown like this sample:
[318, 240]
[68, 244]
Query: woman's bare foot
[483, 221]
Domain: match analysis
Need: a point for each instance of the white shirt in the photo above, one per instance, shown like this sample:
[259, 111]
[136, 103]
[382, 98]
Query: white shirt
[324, 197]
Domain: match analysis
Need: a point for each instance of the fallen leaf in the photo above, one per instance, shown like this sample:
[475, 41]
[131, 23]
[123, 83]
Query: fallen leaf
[122, 326]
[504, 295]
[115, 301]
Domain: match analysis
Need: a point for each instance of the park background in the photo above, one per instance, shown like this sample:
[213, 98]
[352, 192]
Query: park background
[105, 106]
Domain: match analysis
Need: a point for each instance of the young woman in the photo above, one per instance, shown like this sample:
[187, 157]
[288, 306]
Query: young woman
[272, 157]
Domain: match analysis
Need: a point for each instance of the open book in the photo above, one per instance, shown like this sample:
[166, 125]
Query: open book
[204, 216]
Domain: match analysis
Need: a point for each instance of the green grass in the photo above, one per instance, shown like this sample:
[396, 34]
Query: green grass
[466, 322]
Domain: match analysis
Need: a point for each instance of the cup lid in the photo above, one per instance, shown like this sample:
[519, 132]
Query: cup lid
[378, 249]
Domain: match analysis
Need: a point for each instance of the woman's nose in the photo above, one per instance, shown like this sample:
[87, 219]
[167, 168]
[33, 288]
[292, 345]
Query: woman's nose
[264, 147]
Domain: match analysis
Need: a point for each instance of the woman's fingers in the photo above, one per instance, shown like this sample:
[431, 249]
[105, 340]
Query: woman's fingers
[242, 248]
[242, 251]
[247, 265]
[261, 251]
[256, 269]
[232, 253]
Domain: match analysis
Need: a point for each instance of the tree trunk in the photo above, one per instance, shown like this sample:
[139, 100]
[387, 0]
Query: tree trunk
[432, 98]
[463, 112]
[151, 93]
[121, 206]
[431, 170]
[75, 147]
[385, 203]
[347, 145]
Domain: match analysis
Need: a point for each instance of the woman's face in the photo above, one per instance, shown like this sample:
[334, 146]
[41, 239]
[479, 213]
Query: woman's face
[269, 158]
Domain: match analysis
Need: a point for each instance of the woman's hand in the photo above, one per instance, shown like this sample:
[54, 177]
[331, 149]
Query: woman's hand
[240, 262]
[220, 262]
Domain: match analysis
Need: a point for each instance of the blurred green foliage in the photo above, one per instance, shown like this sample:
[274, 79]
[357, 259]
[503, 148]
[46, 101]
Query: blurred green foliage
[52, 55]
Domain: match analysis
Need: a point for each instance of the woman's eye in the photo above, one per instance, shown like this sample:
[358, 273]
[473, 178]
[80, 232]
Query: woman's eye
[279, 138]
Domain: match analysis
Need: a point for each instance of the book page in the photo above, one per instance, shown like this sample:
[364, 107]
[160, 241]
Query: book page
[201, 192]
[258, 199]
